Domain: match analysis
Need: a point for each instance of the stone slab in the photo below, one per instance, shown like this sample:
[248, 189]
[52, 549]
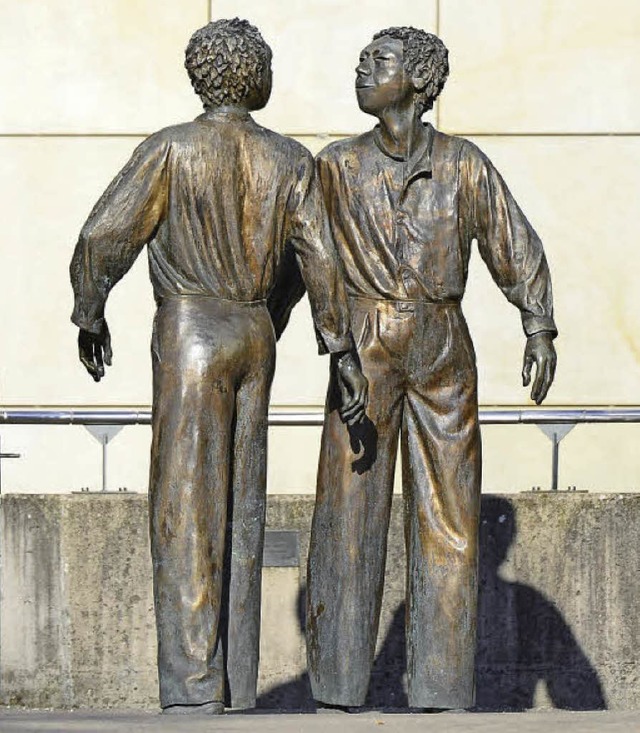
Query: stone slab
[557, 624]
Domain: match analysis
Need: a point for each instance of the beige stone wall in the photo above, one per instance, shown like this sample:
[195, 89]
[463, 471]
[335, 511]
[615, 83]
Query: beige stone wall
[548, 89]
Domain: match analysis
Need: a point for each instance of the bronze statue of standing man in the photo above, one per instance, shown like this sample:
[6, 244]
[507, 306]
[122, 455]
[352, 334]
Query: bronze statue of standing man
[216, 201]
[405, 202]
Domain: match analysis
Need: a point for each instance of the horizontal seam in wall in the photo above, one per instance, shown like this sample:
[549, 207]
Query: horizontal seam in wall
[72, 134]
[323, 135]
[472, 133]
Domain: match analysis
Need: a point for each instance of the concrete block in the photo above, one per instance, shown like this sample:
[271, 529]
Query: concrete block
[34, 618]
[557, 622]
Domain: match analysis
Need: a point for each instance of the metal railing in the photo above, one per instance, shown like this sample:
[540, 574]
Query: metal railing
[105, 424]
[488, 416]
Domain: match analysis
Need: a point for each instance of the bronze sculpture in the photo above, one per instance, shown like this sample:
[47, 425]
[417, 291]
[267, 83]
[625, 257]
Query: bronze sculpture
[221, 203]
[405, 203]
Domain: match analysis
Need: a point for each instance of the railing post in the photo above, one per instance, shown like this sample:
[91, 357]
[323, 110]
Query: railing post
[556, 432]
[103, 434]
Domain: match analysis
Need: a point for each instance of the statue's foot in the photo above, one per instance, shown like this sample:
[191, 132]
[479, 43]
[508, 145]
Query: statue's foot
[206, 708]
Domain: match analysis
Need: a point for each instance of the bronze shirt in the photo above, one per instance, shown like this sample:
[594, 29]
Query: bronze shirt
[216, 200]
[404, 229]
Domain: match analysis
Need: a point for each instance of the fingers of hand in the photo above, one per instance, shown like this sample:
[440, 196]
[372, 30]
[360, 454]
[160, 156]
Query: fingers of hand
[107, 350]
[98, 359]
[549, 371]
[90, 366]
[545, 370]
[93, 353]
[352, 413]
[526, 369]
[538, 382]
[353, 409]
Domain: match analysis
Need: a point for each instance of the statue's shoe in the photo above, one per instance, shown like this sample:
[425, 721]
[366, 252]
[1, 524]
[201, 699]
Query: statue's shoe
[206, 708]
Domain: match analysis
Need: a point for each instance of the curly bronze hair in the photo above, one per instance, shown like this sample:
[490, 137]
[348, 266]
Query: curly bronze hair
[426, 56]
[226, 61]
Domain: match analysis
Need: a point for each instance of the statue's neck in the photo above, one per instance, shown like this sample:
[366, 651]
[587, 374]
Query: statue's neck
[400, 130]
[229, 110]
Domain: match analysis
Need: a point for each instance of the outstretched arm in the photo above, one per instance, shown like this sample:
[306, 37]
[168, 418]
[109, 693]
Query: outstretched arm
[125, 218]
[515, 257]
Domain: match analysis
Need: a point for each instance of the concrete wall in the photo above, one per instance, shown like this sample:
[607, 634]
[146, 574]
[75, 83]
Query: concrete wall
[546, 89]
[558, 604]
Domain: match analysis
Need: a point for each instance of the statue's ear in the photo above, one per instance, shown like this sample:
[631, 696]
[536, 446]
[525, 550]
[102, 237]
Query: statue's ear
[419, 83]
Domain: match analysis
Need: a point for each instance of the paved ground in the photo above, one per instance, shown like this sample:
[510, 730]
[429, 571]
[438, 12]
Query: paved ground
[23, 721]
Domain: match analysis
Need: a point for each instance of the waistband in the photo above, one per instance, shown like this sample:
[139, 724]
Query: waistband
[189, 297]
[403, 306]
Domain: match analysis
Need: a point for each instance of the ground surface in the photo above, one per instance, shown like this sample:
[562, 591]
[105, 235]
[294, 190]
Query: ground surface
[21, 721]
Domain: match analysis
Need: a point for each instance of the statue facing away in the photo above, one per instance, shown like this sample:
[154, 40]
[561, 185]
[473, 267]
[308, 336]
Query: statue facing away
[220, 203]
[405, 203]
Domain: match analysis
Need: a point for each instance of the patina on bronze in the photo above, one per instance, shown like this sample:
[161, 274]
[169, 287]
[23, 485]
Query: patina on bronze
[405, 202]
[231, 213]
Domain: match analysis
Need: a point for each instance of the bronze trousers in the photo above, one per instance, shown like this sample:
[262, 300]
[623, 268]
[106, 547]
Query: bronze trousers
[420, 363]
[213, 364]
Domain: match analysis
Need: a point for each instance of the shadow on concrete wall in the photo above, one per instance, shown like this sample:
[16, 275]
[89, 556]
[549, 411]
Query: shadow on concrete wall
[523, 641]
[294, 695]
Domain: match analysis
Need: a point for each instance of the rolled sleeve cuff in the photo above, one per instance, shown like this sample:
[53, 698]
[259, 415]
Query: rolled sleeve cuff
[536, 324]
[91, 322]
[333, 344]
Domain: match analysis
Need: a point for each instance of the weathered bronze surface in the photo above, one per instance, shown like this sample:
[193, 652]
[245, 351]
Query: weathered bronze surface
[405, 203]
[232, 214]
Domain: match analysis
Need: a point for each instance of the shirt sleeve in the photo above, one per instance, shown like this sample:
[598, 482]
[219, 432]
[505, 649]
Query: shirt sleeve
[307, 230]
[507, 242]
[125, 218]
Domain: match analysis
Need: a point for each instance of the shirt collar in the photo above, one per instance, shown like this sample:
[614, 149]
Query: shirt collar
[419, 162]
[225, 113]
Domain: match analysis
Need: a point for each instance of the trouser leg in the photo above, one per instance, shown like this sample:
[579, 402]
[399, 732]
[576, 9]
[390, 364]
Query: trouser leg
[187, 496]
[213, 364]
[349, 537]
[247, 514]
[441, 479]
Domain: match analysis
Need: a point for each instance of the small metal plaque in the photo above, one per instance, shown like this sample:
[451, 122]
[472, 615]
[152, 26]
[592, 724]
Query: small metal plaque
[281, 549]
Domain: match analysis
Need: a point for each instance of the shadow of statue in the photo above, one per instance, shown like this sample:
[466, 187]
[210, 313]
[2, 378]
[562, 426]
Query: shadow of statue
[296, 694]
[386, 689]
[523, 641]
[522, 637]
[387, 686]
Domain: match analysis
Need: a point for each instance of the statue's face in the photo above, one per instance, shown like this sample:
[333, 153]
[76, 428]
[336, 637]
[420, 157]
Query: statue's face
[381, 81]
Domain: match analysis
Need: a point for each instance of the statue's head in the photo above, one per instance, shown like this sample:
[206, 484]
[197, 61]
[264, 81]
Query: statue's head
[229, 63]
[398, 65]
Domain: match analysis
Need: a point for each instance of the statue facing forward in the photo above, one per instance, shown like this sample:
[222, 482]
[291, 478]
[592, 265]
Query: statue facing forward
[405, 203]
[217, 201]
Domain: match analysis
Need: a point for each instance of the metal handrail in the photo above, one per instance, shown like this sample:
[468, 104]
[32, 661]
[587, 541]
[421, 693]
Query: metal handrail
[555, 423]
[293, 418]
